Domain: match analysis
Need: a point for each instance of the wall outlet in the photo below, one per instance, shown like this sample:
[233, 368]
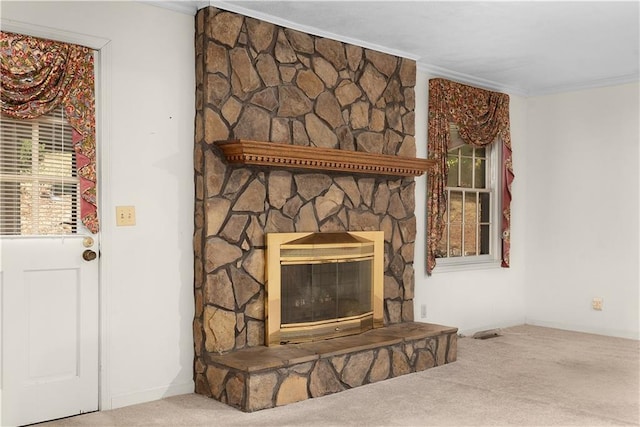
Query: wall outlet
[125, 215]
[596, 303]
[423, 311]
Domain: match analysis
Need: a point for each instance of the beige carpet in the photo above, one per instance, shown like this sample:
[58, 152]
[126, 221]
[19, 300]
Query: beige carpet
[529, 376]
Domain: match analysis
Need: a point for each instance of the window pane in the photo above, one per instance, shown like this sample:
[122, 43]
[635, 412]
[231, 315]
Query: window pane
[455, 240]
[481, 152]
[441, 250]
[466, 150]
[466, 172]
[470, 208]
[38, 180]
[485, 207]
[480, 173]
[484, 239]
[455, 207]
[452, 176]
[470, 239]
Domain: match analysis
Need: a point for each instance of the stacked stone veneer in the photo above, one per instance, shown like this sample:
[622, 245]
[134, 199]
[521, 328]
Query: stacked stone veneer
[259, 81]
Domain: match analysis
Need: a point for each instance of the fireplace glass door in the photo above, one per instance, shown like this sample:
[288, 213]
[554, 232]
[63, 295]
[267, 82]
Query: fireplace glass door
[326, 291]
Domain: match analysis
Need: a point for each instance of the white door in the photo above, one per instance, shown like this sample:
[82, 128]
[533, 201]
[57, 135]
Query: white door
[48, 290]
[49, 329]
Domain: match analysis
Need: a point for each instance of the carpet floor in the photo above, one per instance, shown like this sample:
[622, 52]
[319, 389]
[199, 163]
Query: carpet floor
[527, 376]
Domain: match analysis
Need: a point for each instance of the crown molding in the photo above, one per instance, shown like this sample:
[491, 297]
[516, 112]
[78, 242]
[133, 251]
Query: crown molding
[435, 71]
[86, 40]
[593, 84]
[187, 7]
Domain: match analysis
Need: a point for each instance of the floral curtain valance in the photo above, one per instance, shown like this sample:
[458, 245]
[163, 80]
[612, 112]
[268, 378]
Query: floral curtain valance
[482, 116]
[40, 75]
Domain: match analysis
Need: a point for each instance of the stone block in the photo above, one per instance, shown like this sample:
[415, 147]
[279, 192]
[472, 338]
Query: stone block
[381, 366]
[219, 329]
[306, 219]
[452, 354]
[218, 290]
[319, 133]
[357, 368]
[261, 391]
[284, 52]
[399, 362]
[293, 102]
[293, 389]
[323, 380]
[363, 221]
[309, 83]
[325, 71]
[373, 83]
[354, 56]
[216, 209]
[300, 42]
[244, 286]
[260, 33]
[327, 108]
[225, 28]
[235, 390]
[215, 129]
[252, 198]
[383, 62]
[219, 252]
[242, 68]
[254, 123]
[216, 378]
[268, 70]
[424, 360]
[332, 51]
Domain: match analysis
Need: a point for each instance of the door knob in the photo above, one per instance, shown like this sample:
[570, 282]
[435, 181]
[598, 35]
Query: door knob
[89, 255]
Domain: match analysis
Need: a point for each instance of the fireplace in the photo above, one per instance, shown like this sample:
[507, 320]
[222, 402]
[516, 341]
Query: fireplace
[323, 285]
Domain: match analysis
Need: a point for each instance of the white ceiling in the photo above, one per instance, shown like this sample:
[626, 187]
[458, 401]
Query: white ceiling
[521, 47]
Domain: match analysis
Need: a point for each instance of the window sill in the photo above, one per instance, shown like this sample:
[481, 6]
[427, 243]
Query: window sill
[443, 266]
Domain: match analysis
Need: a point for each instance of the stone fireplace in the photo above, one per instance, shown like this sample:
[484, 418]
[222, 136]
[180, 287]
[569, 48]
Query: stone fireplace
[257, 81]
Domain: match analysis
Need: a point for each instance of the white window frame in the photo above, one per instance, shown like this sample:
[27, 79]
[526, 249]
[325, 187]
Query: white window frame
[494, 258]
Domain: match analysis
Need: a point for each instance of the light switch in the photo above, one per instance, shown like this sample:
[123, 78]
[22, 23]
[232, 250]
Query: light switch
[125, 215]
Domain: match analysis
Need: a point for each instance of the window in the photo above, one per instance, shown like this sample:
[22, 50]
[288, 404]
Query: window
[39, 185]
[471, 229]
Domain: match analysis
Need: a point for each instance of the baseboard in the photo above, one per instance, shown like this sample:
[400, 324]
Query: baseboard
[619, 333]
[151, 394]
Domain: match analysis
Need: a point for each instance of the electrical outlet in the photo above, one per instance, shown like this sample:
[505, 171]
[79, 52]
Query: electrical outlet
[423, 311]
[125, 215]
[596, 303]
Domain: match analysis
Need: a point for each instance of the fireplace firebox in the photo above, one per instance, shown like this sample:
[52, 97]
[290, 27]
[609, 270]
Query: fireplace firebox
[323, 285]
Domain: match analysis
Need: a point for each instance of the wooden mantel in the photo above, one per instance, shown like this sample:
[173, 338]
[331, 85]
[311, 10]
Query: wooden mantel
[273, 154]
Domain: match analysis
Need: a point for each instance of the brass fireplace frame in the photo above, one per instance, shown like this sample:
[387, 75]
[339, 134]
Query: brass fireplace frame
[326, 247]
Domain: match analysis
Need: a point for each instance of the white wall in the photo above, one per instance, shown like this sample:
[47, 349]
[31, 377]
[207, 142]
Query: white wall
[582, 210]
[480, 299]
[148, 278]
[575, 221]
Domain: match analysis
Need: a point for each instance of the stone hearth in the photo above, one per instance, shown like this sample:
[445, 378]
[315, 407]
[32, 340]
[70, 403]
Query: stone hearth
[264, 377]
[258, 81]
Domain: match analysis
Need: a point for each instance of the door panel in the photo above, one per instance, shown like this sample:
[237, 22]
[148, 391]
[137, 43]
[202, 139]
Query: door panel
[49, 329]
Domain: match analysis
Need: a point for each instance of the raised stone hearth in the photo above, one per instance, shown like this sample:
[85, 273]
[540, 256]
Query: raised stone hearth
[264, 377]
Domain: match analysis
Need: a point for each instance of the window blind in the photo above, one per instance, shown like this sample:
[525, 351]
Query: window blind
[39, 186]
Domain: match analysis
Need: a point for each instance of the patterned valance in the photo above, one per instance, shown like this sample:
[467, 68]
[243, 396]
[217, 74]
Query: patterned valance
[40, 75]
[482, 117]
